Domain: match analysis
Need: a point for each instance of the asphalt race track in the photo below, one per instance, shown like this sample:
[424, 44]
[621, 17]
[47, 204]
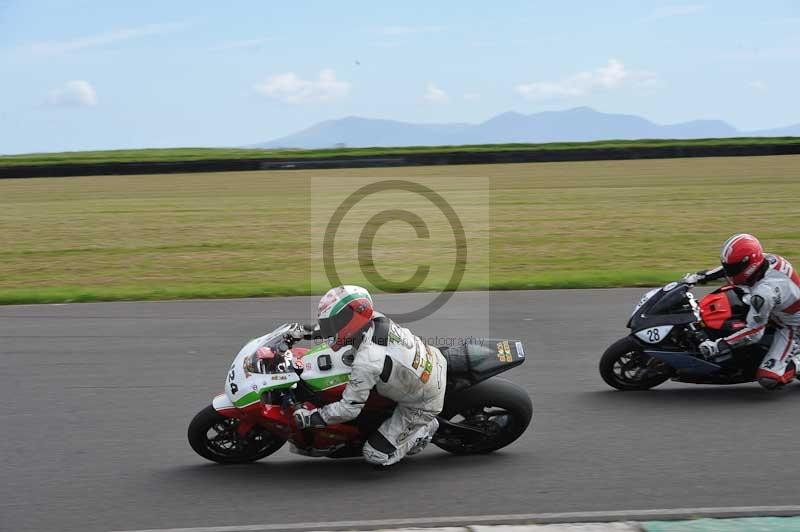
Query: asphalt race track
[96, 399]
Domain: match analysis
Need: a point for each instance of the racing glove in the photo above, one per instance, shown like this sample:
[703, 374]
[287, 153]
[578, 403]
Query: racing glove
[305, 418]
[694, 278]
[305, 331]
[715, 350]
[704, 276]
[296, 332]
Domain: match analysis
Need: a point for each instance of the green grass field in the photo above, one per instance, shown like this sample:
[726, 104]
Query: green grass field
[198, 154]
[543, 225]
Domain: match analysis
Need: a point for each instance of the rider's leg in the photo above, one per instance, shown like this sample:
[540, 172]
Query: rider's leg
[423, 438]
[399, 434]
[410, 429]
[776, 370]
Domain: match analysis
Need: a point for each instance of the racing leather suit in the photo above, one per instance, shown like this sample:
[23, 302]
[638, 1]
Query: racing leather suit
[776, 298]
[402, 368]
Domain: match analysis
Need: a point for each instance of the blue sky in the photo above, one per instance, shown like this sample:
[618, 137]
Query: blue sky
[87, 74]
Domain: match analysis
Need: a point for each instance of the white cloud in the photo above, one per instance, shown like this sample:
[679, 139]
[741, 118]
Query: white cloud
[103, 39]
[434, 94]
[612, 76]
[395, 31]
[472, 96]
[677, 10]
[77, 93]
[758, 85]
[248, 44]
[290, 88]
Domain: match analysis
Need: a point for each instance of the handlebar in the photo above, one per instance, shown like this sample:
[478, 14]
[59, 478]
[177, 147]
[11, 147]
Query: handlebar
[312, 331]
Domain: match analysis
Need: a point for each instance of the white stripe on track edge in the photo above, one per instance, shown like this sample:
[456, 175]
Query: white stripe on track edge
[504, 519]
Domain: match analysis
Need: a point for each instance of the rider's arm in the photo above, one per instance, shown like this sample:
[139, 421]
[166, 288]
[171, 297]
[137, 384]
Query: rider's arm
[712, 274]
[367, 368]
[303, 331]
[704, 276]
[762, 300]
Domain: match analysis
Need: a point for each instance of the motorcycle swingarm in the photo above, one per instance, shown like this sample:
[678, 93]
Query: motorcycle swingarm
[447, 428]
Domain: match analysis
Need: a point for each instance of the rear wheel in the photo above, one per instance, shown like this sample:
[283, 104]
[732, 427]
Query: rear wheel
[625, 367]
[495, 412]
[215, 437]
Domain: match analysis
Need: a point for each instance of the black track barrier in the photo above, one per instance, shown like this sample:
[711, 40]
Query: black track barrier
[406, 159]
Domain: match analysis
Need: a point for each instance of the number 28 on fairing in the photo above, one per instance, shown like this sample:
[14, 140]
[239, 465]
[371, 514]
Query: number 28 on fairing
[654, 335]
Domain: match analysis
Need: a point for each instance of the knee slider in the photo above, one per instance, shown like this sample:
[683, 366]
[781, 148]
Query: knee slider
[378, 450]
[768, 383]
[374, 456]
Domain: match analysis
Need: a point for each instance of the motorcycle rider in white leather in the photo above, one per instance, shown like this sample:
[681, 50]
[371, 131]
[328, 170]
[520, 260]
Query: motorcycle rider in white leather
[390, 359]
[774, 288]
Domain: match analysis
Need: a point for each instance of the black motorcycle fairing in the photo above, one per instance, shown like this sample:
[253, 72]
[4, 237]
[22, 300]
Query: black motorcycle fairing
[689, 367]
[669, 306]
[681, 318]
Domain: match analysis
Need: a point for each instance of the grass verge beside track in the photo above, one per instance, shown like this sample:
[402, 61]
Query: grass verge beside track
[551, 225]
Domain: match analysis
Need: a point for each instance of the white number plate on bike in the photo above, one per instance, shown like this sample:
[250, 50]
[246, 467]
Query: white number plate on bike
[654, 335]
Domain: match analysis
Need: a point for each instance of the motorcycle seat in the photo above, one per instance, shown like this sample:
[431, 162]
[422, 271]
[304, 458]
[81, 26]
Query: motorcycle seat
[470, 363]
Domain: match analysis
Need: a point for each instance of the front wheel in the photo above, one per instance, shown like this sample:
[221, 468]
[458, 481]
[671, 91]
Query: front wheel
[492, 414]
[215, 437]
[625, 367]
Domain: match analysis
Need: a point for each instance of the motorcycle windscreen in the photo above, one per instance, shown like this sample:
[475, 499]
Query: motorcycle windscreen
[665, 307]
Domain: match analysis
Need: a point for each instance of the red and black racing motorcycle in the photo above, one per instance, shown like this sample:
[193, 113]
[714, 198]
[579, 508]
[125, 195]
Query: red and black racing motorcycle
[668, 325]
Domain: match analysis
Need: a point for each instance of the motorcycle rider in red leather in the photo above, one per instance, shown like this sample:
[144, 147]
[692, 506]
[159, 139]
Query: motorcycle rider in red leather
[774, 288]
[389, 358]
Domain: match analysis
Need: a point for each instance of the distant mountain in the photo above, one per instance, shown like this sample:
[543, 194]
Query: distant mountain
[355, 131]
[578, 124]
[788, 131]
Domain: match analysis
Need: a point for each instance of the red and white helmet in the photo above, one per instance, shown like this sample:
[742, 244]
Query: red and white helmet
[343, 312]
[741, 258]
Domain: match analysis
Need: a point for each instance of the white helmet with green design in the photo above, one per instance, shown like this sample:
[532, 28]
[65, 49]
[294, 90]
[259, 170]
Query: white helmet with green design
[344, 312]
